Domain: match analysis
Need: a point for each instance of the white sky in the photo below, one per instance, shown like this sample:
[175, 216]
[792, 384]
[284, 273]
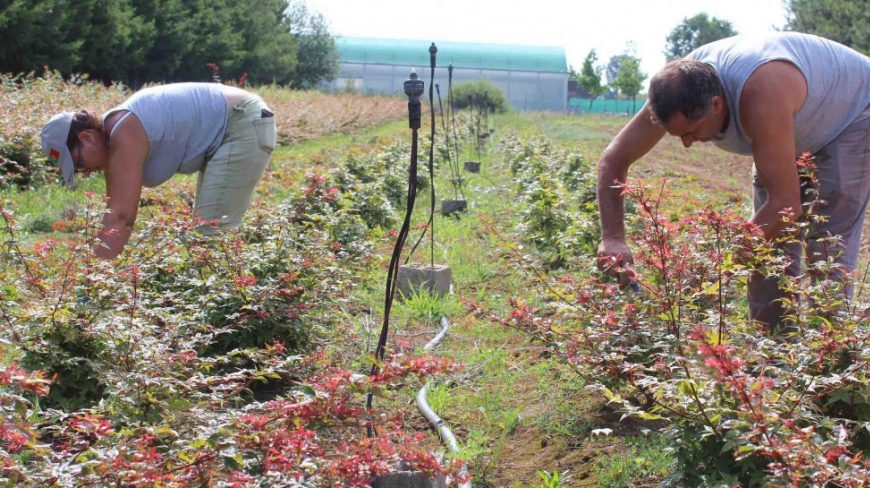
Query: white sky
[576, 25]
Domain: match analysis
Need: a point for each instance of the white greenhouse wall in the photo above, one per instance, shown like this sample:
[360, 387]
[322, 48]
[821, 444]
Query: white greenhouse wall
[525, 90]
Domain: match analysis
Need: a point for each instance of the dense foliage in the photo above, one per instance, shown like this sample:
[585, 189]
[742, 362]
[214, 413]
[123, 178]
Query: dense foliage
[200, 362]
[739, 408]
[141, 41]
[482, 94]
[694, 32]
[557, 191]
[843, 21]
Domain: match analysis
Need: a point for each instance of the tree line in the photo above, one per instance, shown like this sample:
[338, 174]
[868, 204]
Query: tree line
[843, 21]
[143, 41]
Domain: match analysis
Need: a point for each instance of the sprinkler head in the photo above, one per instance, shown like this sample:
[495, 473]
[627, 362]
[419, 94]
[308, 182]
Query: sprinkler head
[413, 89]
[432, 51]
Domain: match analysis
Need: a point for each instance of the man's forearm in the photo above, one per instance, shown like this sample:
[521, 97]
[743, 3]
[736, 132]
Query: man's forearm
[773, 220]
[610, 201]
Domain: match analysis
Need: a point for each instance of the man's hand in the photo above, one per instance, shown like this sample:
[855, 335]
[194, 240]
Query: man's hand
[615, 259]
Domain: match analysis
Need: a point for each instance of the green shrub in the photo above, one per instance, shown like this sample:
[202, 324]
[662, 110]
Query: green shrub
[481, 94]
[223, 300]
[23, 165]
[559, 212]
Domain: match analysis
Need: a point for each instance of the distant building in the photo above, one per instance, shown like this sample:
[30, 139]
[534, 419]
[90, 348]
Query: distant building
[533, 78]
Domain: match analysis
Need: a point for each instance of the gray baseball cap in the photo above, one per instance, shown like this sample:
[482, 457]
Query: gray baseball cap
[53, 137]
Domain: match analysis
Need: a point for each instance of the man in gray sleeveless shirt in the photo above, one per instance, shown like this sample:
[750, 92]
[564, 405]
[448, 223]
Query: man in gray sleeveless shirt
[773, 97]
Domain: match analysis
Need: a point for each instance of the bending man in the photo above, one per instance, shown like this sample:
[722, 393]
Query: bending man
[772, 97]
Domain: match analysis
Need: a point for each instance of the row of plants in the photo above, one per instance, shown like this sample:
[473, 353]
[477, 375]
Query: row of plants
[224, 361]
[556, 189]
[737, 404]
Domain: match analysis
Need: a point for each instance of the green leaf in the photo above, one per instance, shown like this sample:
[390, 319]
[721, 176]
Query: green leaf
[235, 463]
[307, 391]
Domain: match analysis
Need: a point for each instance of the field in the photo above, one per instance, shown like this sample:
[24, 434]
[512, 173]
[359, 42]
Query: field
[245, 361]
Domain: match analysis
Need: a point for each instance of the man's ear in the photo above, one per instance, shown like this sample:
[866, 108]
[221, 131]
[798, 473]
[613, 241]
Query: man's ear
[717, 104]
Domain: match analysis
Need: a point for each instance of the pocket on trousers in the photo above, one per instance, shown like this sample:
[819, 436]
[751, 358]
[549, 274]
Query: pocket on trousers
[266, 133]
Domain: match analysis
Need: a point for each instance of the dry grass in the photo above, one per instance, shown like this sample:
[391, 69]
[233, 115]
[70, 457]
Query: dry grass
[303, 115]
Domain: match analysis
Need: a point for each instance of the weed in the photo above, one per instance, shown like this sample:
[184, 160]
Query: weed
[422, 304]
[646, 457]
[482, 454]
[438, 398]
[510, 420]
[551, 480]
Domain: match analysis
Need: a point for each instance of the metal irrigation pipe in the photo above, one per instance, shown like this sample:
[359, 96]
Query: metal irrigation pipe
[453, 165]
[452, 108]
[434, 420]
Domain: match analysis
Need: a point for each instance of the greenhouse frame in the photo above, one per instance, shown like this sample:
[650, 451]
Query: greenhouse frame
[533, 78]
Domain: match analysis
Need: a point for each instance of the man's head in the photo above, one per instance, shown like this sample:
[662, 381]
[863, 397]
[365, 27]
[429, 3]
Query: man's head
[687, 99]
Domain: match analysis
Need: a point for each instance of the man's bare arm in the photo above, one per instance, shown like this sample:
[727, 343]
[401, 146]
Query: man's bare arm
[633, 141]
[771, 97]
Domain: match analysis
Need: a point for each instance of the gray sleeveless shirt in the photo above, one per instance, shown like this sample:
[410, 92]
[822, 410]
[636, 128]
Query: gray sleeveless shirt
[185, 124]
[838, 84]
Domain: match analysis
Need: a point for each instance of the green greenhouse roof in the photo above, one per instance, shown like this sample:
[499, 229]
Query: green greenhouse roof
[461, 54]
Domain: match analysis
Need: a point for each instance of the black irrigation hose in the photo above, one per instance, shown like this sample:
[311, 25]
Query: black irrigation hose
[413, 88]
[454, 165]
[452, 108]
[432, 51]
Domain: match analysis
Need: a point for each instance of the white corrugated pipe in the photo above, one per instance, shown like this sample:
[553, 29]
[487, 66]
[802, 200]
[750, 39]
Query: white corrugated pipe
[434, 420]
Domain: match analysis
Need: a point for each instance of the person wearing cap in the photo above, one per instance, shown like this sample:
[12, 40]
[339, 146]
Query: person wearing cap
[225, 134]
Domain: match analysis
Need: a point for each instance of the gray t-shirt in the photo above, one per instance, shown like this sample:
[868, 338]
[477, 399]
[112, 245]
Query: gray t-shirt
[838, 84]
[185, 124]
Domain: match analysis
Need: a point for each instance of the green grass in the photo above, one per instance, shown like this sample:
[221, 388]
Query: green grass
[424, 305]
[646, 457]
[565, 129]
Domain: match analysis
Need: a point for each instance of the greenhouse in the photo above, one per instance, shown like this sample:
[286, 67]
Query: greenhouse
[534, 78]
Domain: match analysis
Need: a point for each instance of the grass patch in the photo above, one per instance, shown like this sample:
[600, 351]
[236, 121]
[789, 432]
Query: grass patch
[645, 457]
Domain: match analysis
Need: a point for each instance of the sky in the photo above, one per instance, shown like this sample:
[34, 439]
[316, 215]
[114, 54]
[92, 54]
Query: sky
[578, 26]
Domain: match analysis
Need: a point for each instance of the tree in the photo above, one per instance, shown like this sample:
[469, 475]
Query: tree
[318, 56]
[36, 33]
[266, 59]
[843, 21]
[614, 66]
[630, 79]
[695, 32]
[590, 77]
[141, 41]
